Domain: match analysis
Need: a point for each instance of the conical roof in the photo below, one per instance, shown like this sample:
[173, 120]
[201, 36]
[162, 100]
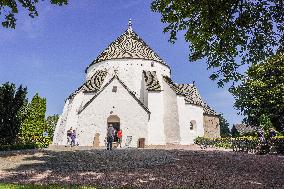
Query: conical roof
[128, 46]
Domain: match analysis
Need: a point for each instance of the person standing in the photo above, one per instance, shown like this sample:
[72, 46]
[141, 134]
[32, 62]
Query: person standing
[110, 137]
[69, 133]
[119, 137]
[73, 138]
[272, 133]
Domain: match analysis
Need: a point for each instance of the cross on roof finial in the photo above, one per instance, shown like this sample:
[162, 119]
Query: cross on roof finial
[130, 24]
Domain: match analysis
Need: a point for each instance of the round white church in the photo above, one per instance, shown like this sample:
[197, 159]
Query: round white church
[130, 87]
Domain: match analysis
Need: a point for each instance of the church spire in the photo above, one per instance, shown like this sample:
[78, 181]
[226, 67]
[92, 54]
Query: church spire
[130, 25]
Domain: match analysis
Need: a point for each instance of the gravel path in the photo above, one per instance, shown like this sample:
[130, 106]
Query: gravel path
[153, 167]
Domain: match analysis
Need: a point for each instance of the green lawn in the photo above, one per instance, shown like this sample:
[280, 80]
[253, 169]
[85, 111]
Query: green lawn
[28, 186]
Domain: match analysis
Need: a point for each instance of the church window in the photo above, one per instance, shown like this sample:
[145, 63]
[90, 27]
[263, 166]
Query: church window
[114, 89]
[192, 125]
[152, 64]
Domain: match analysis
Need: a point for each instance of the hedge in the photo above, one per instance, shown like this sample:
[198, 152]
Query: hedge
[244, 144]
[19, 146]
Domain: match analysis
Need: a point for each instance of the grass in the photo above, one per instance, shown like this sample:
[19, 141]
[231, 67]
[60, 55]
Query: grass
[29, 186]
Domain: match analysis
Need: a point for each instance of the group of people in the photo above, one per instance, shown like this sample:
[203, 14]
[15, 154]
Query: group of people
[71, 137]
[111, 135]
[261, 134]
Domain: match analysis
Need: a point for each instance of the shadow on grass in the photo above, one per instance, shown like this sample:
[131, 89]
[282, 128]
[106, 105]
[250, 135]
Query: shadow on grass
[143, 168]
[88, 167]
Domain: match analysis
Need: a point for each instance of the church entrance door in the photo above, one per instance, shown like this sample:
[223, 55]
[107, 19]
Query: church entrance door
[115, 121]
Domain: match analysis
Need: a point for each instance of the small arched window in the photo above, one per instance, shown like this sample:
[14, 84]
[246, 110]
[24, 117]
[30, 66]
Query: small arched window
[152, 64]
[192, 125]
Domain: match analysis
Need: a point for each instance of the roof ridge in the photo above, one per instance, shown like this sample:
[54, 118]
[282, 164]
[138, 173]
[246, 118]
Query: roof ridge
[127, 89]
[126, 44]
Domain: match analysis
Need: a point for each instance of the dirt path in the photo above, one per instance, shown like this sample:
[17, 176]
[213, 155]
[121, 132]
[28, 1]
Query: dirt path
[161, 167]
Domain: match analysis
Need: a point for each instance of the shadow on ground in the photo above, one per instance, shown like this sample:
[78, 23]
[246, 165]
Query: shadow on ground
[146, 168]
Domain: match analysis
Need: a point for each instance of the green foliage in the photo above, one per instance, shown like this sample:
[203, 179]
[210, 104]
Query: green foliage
[261, 93]
[51, 122]
[244, 144]
[235, 132]
[227, 33]
[34, 124]
[18, 146]
[224, 127]
[214, 142]
[9, 9]
[11, 101]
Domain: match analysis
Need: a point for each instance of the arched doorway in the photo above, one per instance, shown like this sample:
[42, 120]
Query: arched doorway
[114, 120]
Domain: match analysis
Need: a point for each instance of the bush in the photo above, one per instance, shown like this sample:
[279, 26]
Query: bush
[244, 144]
[19, 146]
[213, 142]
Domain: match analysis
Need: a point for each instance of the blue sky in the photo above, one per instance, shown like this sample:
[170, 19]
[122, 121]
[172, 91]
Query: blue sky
[49, 54]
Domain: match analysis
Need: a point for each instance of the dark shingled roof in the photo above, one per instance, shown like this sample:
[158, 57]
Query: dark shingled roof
[151, 81]
[95, 82]
[191, 93]
[128, 46]
[91, 85]
[208, 110]
[170, 82]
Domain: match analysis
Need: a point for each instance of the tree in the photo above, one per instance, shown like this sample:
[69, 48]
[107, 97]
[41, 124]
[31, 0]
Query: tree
[224, 127]
[51, 122]
[9, 9]
[227, 33]
[235, 132]
[11, 101]
[34, 124]
[261, 92]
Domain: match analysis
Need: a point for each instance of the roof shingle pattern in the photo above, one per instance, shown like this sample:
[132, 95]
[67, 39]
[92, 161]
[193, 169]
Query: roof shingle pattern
[91, 85]
[151, 80]
[208, 110]
[95, 82]
[191, 93]
[128, 45]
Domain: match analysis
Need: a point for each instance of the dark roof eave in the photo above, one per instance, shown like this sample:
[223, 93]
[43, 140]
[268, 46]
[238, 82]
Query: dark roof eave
[216, 115]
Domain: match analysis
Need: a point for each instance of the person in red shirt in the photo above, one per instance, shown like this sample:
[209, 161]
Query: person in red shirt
[119, 137]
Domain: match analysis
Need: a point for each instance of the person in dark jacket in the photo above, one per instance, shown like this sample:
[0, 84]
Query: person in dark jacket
[272, 133]
[73, 138]
[110, 137]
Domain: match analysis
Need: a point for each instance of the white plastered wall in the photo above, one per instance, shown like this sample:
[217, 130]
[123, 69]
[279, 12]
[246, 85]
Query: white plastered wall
[171, 117]
[59, 132]
[129, 71]
[93, 119]
[69, 117]
[156, 133]
[189, 112]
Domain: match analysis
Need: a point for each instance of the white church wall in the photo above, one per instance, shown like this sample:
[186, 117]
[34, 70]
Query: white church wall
[187, 113]
[191, 113]
[143, 92]
[93, 119]
[129, 71]
[171, 115]
[61, 124]
[71, 115]
[186, 135]
[156, 133]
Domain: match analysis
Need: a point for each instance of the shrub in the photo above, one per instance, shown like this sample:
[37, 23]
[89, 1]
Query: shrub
[19, 146]
[244, 144]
